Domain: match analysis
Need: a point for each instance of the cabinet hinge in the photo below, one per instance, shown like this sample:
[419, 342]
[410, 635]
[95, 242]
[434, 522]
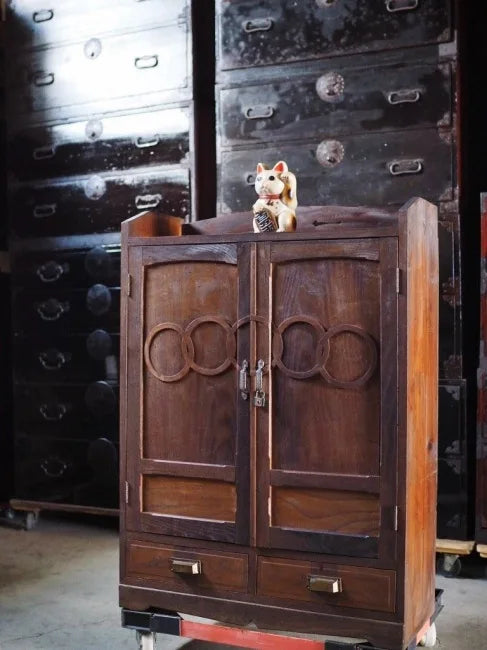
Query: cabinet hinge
[129, 284]
[398, 280]
[396, 518]
[127, 491]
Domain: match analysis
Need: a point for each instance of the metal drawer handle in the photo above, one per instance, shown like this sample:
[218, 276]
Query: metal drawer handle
[53, 413]
[250, 179]
[188, 567]
[43, 15]
[402, 167]
[324, 584]
[258, 25]
[43, 153]
[43, 78]
[46, 210]
[54, 467]
[59, 363]
[401, 5]
[149, 61]
[51, 310]
[404, 96]
[51, 271]
[142, 142]
[259, 112]
[144, 201]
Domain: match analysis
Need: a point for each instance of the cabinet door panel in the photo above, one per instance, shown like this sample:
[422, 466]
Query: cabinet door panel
[193, 450]
[332, 403]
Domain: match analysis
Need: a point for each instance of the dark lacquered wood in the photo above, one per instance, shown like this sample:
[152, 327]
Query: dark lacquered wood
[262, 33]
[481, 464]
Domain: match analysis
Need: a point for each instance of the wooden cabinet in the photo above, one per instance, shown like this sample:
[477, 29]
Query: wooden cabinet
[278, 412]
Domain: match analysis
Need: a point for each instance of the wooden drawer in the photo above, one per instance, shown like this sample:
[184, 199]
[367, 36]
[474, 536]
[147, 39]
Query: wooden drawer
[158, 565]
[337, 100]
[56, 268]
[264, 33]
[102, 144]
[73, 310]
[63, 358]
[97, 203]
[371, 169]
[33, 23]
[361, 587]
[112, 67]
[64, 411]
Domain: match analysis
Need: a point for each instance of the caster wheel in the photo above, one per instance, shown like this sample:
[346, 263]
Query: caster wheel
[449, 566]
[429, 639]
[146, 640]
[30, 520]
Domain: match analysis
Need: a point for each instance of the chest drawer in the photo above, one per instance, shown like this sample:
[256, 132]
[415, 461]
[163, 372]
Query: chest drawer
[371, 169]
[33, 23]
[186, 569]
[96, 203]
[337, 100]
[75, 310]
[111, 68]
[56, 268]
[64, 358]
[102, 144]
[64, 411]
[321, 584]
[264, 33]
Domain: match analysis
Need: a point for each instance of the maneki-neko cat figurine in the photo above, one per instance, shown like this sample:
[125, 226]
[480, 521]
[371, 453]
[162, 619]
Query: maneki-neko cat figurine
[275, 209]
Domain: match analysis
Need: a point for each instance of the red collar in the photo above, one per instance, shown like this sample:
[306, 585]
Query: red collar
[269, 196]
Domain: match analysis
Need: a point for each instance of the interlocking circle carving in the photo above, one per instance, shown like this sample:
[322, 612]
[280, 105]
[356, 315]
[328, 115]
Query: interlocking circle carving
[320, 357]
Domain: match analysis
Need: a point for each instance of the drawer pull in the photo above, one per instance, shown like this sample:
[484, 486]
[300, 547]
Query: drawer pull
[403, 97]
[326, 585]
[402, 167]
[258, 25]
[144, 62]
[250, 179]
[143, 143]
[53, 413]
[51, 271]
[259, 112]
[330, 153]
[52, 360]
[46, 210]
[188, 567]
[54, 467]
[43, 79]
[43, 153]
[52, 309]
[43, 15]
[145, 201]
[393, 6]
[330, 87]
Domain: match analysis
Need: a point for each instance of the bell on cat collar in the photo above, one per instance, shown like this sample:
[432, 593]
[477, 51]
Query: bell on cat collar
[275, 209]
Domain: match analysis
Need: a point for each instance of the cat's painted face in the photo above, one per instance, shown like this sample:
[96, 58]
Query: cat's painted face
[268, 181]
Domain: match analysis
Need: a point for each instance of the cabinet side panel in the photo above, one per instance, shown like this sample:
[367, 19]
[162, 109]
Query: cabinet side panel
[421, 237]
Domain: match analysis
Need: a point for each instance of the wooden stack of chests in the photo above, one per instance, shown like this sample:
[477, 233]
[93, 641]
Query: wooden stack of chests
[104, 122]
[362, 99]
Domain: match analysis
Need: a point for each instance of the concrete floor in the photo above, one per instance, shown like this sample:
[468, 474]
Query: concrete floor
[58, 589]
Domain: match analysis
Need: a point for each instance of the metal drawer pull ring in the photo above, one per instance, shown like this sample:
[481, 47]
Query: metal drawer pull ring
[393, 6]
[43, 15]
[149, 61]
[47, 210]
[403, 96]
[145, 201]
[259, 112]
[44, 361]
[43, 153]
[51, 310]
[53, 413]
[143, 143]
[258, 25]
[50, 271]
[402, 167]
[43, 79]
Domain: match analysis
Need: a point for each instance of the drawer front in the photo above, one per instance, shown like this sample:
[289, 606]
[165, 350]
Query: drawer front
[113, 67]
[161, 566]
[64, 411]
[60, 358]
[33, 23]
[96, 203]
[359, 587]
[263, 33]
[337, 101]
[102, 144]
[73, 310]
[67, 268]
[372, 169]
[82, 472]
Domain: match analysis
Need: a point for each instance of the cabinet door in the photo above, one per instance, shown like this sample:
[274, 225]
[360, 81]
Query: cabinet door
[327, 466]
[187, 426]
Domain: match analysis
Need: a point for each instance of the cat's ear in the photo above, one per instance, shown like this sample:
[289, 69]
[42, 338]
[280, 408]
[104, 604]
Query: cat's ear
[280, 167]
[260, 168]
